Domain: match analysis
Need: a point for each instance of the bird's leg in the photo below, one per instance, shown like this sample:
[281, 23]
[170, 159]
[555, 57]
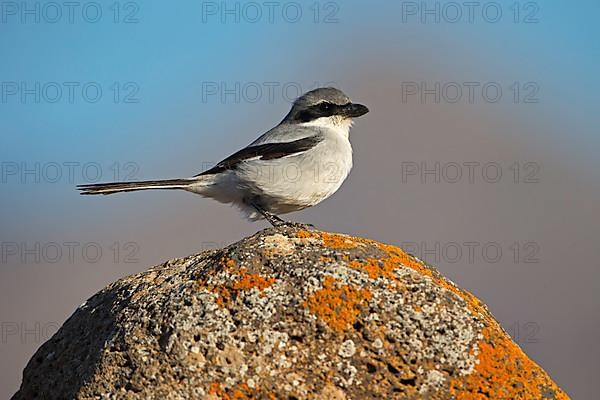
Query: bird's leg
[277, 222]
[274, 219]
[269, 216]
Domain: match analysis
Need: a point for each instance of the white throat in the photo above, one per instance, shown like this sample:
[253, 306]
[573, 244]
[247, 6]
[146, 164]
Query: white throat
[335, 123]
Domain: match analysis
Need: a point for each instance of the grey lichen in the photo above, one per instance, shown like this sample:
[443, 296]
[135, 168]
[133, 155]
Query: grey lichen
[283, 313]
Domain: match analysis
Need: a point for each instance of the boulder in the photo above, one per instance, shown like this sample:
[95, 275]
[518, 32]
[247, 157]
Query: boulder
[288, 313]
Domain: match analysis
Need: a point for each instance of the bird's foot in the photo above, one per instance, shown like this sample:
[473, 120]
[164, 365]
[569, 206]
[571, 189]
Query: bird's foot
[290, 224]
[277, 222]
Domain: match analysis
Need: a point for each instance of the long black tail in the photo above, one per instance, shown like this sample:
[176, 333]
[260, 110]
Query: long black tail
[116, 187]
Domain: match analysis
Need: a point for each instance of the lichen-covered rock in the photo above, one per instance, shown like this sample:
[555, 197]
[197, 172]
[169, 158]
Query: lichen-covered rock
[285, 314]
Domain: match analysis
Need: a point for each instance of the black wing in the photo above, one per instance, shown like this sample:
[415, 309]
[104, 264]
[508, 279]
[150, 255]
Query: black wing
[267, 151]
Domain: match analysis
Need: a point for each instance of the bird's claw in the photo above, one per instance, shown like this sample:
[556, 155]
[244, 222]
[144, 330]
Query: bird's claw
[290, 224]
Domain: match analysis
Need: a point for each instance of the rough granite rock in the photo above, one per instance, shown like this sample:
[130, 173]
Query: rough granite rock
[287, 314]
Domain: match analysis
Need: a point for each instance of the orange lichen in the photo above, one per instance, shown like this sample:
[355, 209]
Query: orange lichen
[249, 281]
[304, 234]
[326, 260]
[338, 306]
[504, 372]
[228, 262]
[225, 262]
[223, 294]
[337, 241]
[397, 257]
[244, 281]
[240, 392]
[376, 268]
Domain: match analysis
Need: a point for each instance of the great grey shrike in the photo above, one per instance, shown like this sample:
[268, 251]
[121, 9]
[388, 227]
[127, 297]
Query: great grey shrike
[297, 164]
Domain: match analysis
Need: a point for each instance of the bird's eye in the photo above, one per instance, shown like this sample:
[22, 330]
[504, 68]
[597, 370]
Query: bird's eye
[324, 106]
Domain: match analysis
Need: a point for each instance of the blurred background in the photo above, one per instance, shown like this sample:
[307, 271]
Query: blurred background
[480, 153]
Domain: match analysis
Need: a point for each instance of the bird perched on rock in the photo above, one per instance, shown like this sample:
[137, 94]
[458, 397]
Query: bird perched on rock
[297, 164]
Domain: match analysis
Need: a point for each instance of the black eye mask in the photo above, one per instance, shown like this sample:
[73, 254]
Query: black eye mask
[324, 109]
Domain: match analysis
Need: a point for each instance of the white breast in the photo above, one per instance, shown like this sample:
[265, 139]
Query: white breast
[305, 179]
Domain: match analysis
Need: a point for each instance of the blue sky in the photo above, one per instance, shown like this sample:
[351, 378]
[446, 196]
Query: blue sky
[164, 125]
[170, 52]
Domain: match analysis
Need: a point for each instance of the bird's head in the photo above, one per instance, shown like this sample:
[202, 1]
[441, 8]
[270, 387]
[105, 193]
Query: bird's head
[325, 107]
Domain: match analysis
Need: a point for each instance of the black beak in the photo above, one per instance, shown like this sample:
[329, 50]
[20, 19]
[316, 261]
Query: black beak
[353, 110]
